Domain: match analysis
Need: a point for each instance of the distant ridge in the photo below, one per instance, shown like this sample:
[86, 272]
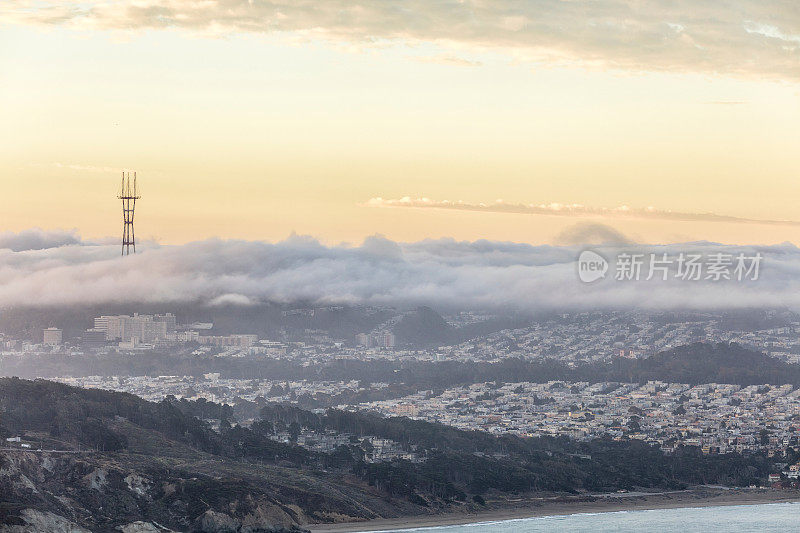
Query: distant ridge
[707, 363]
[423, 327]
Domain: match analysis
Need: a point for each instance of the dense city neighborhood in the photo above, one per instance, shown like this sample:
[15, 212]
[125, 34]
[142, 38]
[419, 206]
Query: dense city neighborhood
[716, 418]
[576, 337]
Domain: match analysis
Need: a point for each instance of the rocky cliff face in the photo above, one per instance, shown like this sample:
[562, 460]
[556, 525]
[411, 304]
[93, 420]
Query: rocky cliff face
[32, 521]
[71, 493]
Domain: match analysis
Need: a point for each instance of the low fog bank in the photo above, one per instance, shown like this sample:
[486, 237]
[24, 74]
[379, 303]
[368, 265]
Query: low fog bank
[60, 269]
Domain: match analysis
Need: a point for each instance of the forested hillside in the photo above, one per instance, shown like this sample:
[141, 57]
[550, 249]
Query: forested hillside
[158, 462]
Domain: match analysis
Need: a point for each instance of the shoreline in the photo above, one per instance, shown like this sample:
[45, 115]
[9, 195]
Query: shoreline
[560, 506]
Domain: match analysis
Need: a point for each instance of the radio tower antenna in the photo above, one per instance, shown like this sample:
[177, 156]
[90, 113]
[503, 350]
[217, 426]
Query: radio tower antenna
[128, 195]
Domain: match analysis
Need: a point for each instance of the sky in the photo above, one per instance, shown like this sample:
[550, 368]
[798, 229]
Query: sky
[256, 119]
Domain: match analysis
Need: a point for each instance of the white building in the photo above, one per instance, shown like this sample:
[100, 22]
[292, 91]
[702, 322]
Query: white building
[238, 341]
[380, 339]
[145, 328]
[52, 336]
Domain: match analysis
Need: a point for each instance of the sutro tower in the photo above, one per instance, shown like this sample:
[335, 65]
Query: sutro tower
[128, 195]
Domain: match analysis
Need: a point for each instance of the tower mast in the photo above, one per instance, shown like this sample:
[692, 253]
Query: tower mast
[128, 195]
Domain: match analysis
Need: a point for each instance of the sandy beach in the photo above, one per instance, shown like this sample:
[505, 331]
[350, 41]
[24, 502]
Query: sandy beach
[561, 505]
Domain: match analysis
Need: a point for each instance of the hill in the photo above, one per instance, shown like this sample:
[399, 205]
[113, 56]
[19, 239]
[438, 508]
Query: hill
[693, 364]
[423, 327]
[707, 363]
[122, 460]
[116, 460]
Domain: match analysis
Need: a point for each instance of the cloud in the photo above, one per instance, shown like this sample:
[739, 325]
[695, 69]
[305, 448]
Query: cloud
[231, 300]
[449, 59]
[741, 37]
[37, 239]
[500, 206]
[443, 273]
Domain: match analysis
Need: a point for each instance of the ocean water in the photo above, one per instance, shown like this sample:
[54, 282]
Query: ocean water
[760, 518]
